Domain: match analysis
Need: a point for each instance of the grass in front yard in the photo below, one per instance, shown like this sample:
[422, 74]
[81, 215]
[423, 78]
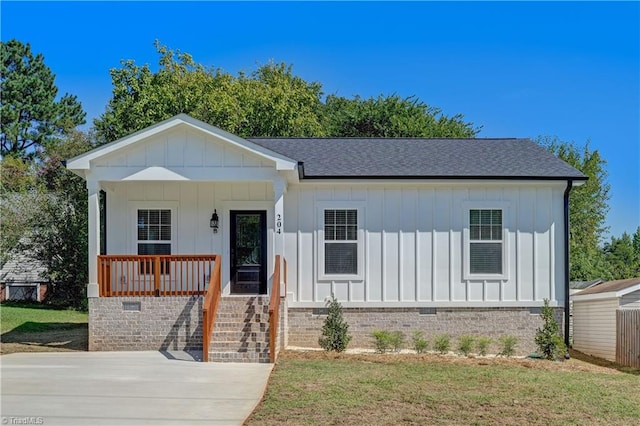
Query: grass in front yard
[377, 390]
[29, 327]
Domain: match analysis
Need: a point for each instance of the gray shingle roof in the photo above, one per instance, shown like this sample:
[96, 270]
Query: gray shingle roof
[421, 158]
[581, 285]
[611, 286]
[21, 269]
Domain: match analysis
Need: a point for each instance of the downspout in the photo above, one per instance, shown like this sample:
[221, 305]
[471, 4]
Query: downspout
[567, 315]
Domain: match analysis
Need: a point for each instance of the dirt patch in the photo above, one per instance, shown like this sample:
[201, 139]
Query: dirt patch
[578, 362]
[72, 339]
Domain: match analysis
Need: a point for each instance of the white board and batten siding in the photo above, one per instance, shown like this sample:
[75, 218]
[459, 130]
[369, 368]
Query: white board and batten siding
[183, 154]
[191, 174]
[412, 234]
[594, 327]
[414, 244]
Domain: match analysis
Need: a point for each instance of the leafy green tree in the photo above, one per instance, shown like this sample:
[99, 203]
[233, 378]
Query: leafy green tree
[391, 116]
[270, 101]
[622, 258]
[30, 115]
[636, 243]
[49, 222]
[588, 208]
[16, 175]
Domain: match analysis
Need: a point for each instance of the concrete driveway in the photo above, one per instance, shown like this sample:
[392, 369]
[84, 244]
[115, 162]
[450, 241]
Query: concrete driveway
[127, 388]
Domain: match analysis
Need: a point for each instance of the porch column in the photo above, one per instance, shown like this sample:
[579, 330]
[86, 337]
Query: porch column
[93, 188]
[279, 189]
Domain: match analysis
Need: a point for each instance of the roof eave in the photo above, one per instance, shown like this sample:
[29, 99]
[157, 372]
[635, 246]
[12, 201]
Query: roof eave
[456, 177]
[83, 161]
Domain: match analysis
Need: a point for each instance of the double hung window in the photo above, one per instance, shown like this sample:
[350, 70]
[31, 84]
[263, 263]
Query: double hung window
[341, 241]
[486, 242]
[154, 235]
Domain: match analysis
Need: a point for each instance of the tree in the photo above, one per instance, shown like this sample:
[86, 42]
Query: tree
[547, 339]
[636, 243]
[270, 101]
[30, 115]
[391, 116]
[588, 208]
[335, 331]
[623, 259]
[49, 222]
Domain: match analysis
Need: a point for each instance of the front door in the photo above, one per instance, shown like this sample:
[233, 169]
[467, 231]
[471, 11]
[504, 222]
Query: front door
[248, 252]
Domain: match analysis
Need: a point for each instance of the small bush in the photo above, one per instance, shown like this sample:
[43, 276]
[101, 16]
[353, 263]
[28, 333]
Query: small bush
[397, 340]
[381, 341]
[420, 344]
[441, 343]
[465, 345]
[482, 345]
[547, 339]
[335, 336]
[508, 345]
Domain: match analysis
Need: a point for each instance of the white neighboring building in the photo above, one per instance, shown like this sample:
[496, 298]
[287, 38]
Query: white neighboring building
[594, 315]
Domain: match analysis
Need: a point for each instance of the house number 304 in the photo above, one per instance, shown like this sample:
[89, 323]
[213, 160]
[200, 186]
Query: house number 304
[279, 223]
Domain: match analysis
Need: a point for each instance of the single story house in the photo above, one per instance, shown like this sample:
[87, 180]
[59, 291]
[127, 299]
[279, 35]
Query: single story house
[22, 278]
[599, 323]
[457, 236]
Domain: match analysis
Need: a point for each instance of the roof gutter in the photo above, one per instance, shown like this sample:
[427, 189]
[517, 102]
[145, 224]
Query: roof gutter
[567, 316]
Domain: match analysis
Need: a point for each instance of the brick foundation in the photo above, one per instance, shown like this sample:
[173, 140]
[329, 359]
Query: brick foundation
[145, 323]
[304, 326]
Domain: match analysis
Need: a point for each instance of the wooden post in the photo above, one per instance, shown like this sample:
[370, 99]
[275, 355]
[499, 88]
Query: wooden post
[156, 275]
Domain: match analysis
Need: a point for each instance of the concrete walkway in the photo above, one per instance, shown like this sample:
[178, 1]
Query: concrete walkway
[127, 388]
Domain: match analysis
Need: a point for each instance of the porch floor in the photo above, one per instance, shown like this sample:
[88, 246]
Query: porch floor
[129, 388]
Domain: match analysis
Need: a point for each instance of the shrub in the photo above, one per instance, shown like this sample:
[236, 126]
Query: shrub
[335, 336]
[547, 339]
[508, 345]
[420, 344]
[482, 345]
[381, 340]
[397, 340]
[465, 345]
[441, 343]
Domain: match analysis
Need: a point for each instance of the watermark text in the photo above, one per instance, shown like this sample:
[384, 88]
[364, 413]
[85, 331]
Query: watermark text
[24, 420]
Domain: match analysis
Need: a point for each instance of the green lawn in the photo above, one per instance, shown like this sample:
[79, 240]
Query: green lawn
[38, 328]
[35, 318]
[382, 390]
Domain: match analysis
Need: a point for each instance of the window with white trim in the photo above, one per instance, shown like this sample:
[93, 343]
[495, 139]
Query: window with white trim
[154, 233]
[341, 242]
[486, 242]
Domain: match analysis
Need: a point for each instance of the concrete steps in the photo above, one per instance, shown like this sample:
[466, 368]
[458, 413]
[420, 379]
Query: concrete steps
[241, 330]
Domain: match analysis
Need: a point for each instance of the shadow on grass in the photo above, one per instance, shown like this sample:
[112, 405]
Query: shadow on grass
[37, 305]
[56, 335]
[603, 362]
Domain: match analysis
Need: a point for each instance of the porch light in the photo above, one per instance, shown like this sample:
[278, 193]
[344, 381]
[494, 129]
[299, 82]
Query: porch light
[213, 223]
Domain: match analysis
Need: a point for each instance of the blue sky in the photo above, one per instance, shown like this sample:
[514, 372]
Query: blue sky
[519, 69]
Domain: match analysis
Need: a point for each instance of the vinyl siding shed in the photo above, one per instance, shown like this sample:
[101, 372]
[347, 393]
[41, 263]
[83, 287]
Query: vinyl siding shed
[595, 330]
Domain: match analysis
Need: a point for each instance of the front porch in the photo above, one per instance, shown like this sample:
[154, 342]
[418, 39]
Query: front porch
[175, 302]
[146, 275]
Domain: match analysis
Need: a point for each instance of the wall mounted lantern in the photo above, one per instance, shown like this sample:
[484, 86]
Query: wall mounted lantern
[213, 223]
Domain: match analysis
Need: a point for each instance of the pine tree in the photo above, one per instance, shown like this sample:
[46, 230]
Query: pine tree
[31, 116]
[335, 336]
[547, 339]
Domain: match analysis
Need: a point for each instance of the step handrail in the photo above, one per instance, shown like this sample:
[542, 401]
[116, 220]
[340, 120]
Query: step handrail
[210, 308]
